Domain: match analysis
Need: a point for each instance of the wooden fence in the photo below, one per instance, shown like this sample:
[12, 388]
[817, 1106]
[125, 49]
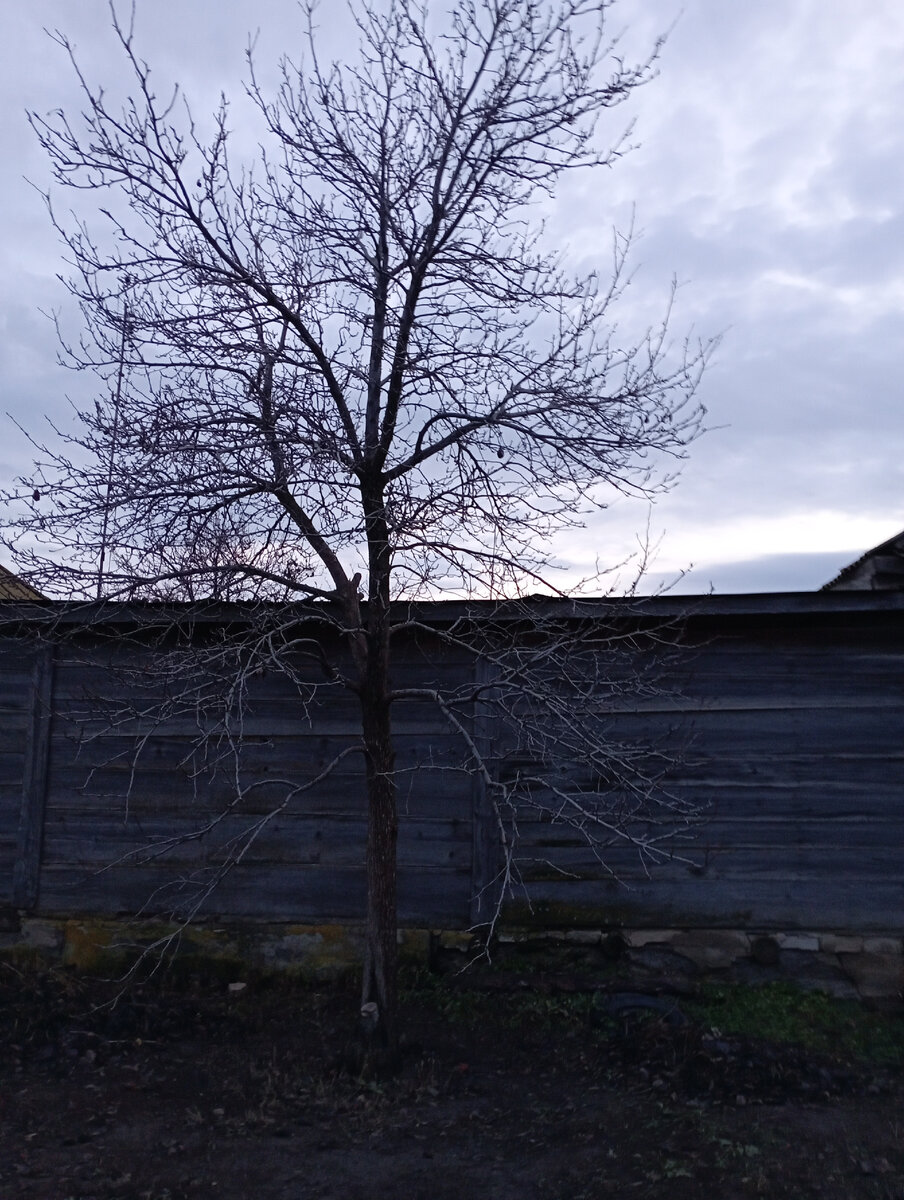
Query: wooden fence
[794, 705]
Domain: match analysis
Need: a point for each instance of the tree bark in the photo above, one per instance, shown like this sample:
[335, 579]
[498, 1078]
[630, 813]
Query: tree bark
[381, 950]
[379, 983]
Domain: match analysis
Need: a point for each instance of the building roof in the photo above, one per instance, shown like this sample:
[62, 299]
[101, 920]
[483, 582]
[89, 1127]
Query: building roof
[879, 570]
[14, 588]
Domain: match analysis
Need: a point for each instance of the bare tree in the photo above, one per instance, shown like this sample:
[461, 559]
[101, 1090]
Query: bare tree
[355, 372]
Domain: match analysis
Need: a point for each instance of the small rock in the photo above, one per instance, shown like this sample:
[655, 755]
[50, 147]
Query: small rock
[237, 987]
[717, 1046]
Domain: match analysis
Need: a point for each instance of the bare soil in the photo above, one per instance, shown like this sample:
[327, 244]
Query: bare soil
[195, 1090]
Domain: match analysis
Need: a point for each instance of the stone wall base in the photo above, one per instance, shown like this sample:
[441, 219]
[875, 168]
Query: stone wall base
[843, 964]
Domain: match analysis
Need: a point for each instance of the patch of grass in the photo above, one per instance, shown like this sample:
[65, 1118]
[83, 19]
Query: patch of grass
[467, 1006]
[781, 1012]
[560, 1011]
[774, 1012]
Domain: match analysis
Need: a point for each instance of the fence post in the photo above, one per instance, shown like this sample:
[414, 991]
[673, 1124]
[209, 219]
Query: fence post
[26, 872]
[485, 846]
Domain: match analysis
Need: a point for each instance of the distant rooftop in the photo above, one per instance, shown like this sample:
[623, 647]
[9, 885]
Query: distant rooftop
[879, 570]
[14, 588]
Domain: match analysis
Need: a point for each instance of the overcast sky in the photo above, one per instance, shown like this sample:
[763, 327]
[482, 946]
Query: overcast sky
[769, 178]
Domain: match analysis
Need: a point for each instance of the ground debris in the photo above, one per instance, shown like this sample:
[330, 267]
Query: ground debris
[173, 1092]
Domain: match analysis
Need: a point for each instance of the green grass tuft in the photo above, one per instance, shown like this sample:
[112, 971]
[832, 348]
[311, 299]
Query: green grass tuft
[781, 1012]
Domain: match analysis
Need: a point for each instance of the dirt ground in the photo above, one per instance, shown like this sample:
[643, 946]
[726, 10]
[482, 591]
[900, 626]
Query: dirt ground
[197, 1090]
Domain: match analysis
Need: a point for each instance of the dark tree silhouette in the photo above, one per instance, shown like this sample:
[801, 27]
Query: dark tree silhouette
[354, 372]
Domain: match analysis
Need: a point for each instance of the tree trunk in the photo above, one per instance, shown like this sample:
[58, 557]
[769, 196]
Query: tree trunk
[381, 949]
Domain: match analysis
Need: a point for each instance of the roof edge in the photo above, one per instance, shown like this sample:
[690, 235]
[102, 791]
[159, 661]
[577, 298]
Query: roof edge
[775, 604]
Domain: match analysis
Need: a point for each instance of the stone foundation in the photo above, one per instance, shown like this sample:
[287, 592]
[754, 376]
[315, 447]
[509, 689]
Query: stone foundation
[843, 964]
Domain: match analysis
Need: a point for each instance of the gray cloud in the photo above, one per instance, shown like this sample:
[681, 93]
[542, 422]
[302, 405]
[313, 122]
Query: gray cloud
[769, 179]
[766, 573]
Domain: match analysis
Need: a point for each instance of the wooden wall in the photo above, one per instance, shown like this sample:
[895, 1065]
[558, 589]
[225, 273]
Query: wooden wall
[25, 717]
[797, 751]
[15, 712]
[117, 792]
[794, 706]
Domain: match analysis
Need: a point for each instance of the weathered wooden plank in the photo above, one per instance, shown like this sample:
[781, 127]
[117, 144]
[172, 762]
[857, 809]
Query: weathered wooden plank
[121, 672]
[830, 771]
[771, 732]
[789, 811]
[871, 717]
[71, 770]
[422, 790]
[287, 838]
[737, 904]
[12, 734]
[845, 663]
[737, 684]
[11, 765]
[304, 894]
[15, 695]
[486, 849]
[306, 748]
[751, 700]
[766, 688]
[806, 805]
[851, 834]
[784, 702]
[197, 657]
[425, 802]
[26, 870]
[78, 724]
[795, 799]
[811, 861]
[797, 655]
[16, 660]
[849, 830]
[728, 752]
[427, 776]
[85, 686]
[307, 894]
